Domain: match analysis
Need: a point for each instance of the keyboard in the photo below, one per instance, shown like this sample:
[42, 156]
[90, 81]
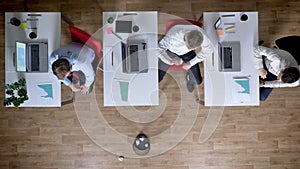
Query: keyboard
[227, 57]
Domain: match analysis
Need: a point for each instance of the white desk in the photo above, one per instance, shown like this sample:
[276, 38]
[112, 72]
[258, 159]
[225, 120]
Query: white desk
[143, 87]
[220, 88]
[48, 29]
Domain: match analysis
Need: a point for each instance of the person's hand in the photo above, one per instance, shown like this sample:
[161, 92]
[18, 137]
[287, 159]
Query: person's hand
[261, 83]
[186, 66]
[84, 89]
[177, 61]
[262, 73]
[74, 88]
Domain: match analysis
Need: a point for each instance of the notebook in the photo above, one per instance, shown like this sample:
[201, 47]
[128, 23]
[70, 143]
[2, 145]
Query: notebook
[31, 57]
[123, 26]
[134, 56]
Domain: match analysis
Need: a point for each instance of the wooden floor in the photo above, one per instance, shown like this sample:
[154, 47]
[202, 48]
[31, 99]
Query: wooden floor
[257, 137]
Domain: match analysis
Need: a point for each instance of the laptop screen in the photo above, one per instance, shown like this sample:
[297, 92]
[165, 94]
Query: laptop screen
[20, 56]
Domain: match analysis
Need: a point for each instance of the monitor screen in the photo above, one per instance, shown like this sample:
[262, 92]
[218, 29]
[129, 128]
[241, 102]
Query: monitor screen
[20, 56]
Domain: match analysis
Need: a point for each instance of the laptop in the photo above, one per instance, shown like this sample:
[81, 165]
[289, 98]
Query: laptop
[134, 56]
[230, 56]
[31, 57]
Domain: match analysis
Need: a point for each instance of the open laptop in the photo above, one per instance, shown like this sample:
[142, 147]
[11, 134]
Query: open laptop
[230, 56]
[134, 56]
[31, 57]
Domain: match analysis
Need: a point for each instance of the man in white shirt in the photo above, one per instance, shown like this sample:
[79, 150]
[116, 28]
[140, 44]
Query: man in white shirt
[185, 45]
[74, 57]
[277, 68]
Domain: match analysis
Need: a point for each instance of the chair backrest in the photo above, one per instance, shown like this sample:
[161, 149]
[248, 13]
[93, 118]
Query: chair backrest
[171, 23]
[78, 35]
[290, 44]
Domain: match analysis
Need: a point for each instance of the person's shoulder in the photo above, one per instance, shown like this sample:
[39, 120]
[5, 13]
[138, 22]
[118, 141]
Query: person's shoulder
[295, 84]
[185, 27]
[282, 52]
[182, 29]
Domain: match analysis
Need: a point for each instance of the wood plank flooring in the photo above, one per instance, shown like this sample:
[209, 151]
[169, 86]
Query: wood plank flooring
[256, 137]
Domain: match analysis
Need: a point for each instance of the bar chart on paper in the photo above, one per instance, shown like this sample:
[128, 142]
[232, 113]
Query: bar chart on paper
[241, 92]
[45, 90]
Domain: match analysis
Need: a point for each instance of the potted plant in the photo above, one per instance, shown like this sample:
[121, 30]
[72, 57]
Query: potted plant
[16, 93]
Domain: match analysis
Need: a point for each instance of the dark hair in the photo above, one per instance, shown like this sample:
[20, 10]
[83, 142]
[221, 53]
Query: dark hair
[77, 76]
[61, 67]
[290, 75]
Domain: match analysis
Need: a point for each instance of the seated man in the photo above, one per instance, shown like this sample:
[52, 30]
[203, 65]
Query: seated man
[74, 57]
[277, 68]
[184, 45]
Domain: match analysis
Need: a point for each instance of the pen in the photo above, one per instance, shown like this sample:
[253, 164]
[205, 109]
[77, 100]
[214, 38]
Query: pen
[230, 28]
[112, 58]
[228, 15]
[124, 14]
[229, 23]
[118, 36]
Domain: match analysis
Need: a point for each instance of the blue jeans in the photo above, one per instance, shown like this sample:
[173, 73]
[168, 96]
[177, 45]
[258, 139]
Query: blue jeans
[194, 71]
[264, 92]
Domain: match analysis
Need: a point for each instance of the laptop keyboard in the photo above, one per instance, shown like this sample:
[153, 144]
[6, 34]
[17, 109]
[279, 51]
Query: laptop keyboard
[34, 57]
[227, 57]
[134, 58]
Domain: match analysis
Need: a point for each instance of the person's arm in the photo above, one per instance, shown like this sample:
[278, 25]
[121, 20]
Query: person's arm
[163, 56]
[277, 84]
[84, 89]
[84, 64]
[173, 41]
[206, 50]
[271, 55]
[169, 40]
[68, 83]
[73, 87]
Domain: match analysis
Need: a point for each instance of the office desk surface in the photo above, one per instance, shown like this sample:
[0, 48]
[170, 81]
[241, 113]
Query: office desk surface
[48, 28]
[142, 87]
[232, 88]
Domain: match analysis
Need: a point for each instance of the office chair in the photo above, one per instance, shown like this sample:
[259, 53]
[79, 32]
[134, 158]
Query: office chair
[173, 22]
[169, 25]
[80, 36]
[290, 44]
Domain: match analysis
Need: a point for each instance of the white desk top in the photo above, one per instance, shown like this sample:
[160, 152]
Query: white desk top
[143, 87]
[48, 29]
[220, 88]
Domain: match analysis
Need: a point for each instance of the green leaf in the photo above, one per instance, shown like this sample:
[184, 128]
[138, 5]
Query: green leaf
[22, 82]
[6, 102]
[7, 86]
[9, 92]
[22, 92]
[18, 89]
[14, 86]
[16, 103]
